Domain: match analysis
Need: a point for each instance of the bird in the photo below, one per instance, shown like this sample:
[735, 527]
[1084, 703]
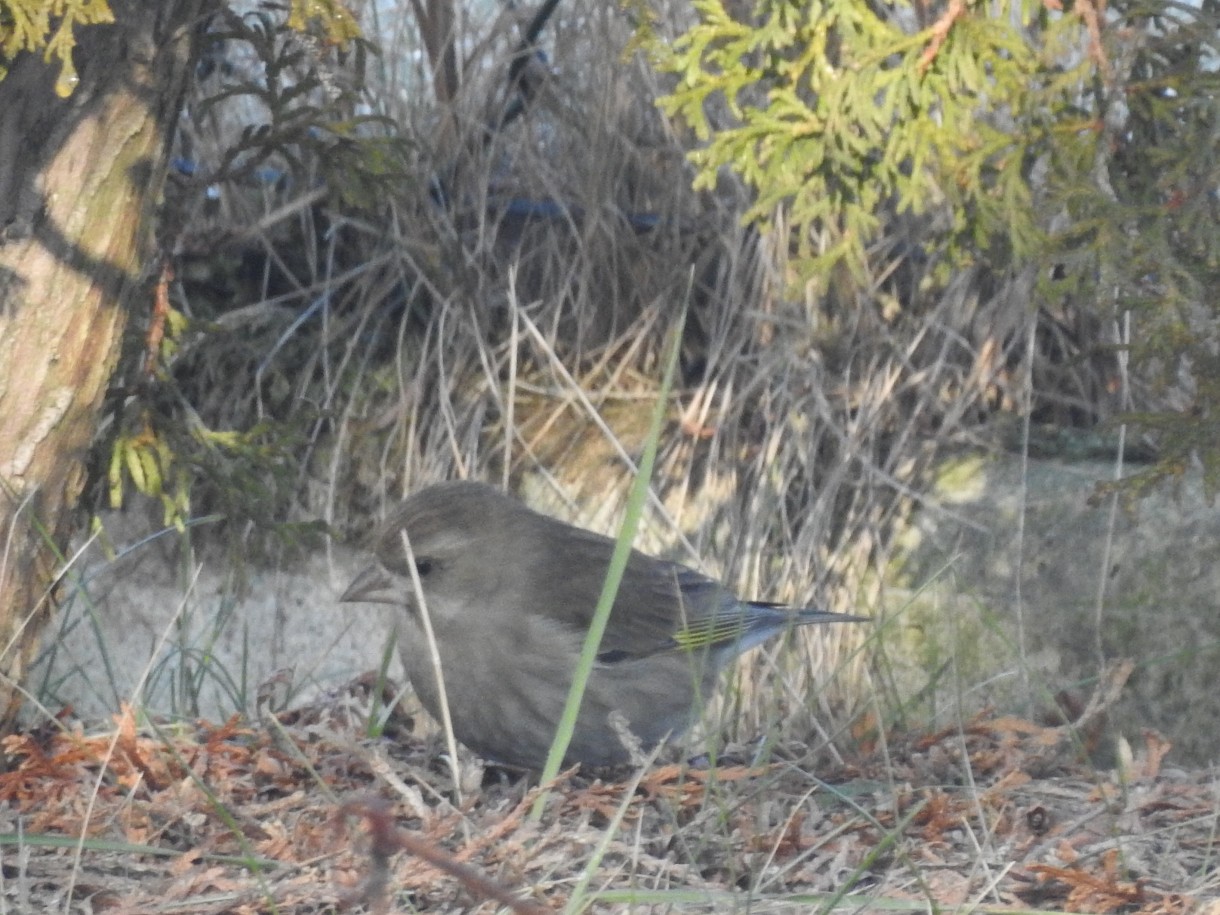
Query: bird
[510, 595]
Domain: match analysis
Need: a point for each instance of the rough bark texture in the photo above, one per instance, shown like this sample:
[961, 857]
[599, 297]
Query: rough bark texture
[78, 179]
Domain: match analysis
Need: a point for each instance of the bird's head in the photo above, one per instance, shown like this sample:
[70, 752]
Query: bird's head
[460, 537]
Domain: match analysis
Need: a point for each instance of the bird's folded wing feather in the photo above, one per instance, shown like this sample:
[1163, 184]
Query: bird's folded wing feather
[654, 601]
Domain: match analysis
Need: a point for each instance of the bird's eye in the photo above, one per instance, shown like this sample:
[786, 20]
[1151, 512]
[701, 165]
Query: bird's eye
[423, 567]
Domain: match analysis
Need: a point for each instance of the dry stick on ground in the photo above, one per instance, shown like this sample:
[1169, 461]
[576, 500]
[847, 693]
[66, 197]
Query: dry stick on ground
[387, 840]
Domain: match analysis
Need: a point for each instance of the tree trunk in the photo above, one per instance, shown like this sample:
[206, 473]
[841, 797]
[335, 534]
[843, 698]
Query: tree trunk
[78, 179]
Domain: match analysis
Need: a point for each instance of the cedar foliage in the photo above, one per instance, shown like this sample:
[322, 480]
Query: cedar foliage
[1077, 141]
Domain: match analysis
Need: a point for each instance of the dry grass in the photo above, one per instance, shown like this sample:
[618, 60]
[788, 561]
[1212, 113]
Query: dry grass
[994, 814]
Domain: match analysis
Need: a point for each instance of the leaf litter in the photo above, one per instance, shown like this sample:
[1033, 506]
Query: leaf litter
[308, 814]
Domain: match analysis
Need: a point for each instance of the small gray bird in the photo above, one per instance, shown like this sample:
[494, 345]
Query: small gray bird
[511, 593]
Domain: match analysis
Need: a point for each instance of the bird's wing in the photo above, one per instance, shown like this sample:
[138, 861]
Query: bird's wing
[652, 598]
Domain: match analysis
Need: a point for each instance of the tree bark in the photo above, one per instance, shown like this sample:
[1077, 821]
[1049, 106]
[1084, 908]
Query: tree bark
[79, 178]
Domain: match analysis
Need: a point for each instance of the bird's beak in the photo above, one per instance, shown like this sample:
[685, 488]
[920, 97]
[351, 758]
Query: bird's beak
[373, 585]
